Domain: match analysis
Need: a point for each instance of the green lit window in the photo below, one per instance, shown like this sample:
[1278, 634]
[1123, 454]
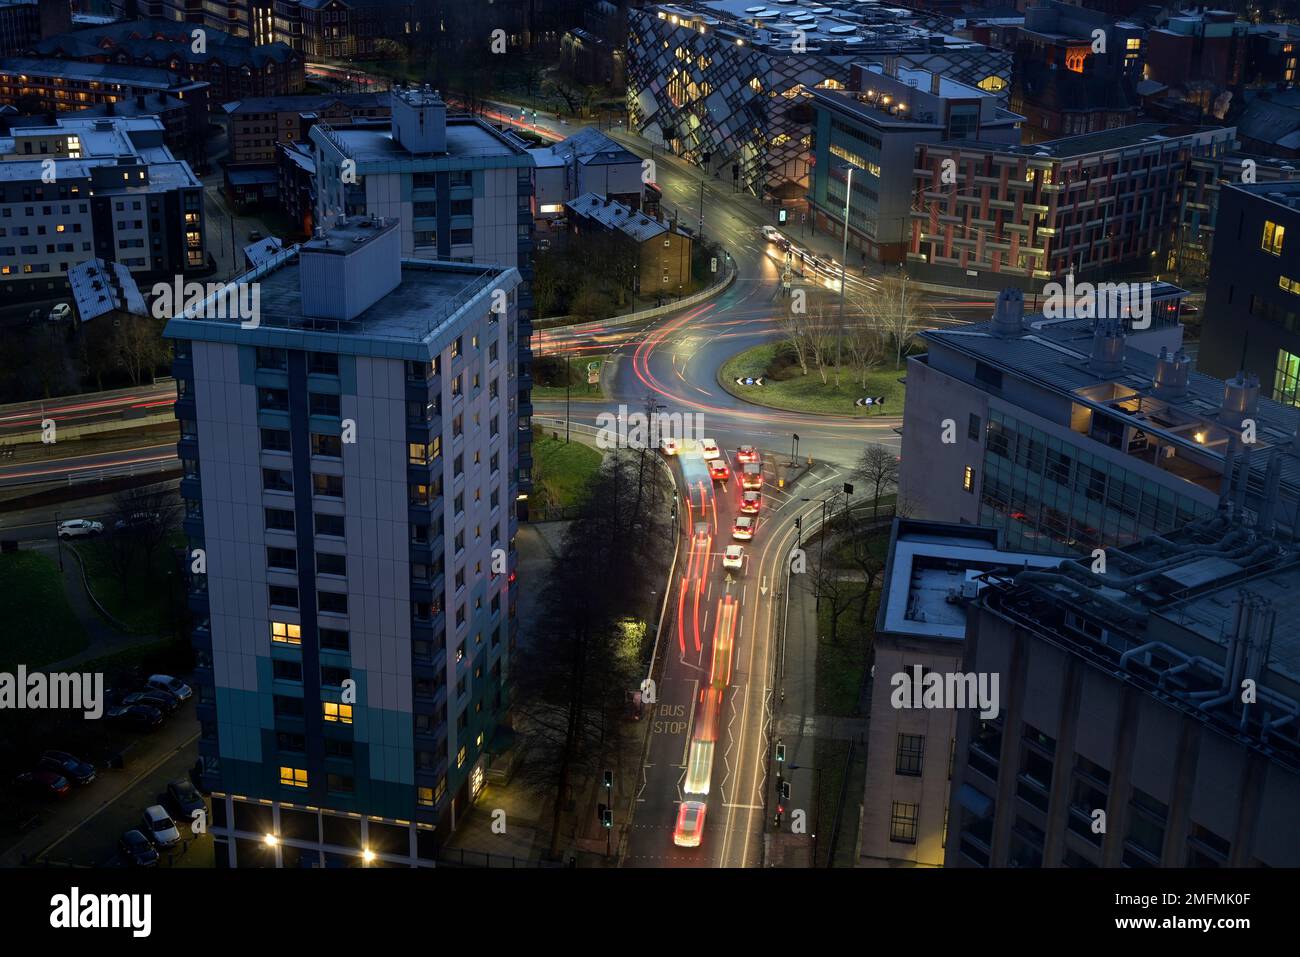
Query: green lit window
[1286, 381]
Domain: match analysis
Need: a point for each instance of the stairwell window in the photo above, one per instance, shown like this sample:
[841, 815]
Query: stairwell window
[1271, 242]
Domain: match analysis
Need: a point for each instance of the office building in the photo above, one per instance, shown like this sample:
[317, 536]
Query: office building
[350, 467]
[1070, 439]
[1104, 205]
[586, 162]
[932, 575]
[726, 85]
[1200, 54]
[1252, 303]
[118, 195]
[258, 125]
[1125, 738]
[1068, 84]
[874, 128]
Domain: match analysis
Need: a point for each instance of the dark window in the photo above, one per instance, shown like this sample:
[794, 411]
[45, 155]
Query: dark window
[281, 558]
[275, 440]
[287, 741]
[988, 375]
[330, 446]
[335, 602]
[279, 518]
[910, 755]
[327, 564]
[322, 403]
[329, 525]
[290, 707]
[323, 363]
[902, 822]
[283, 596]
[330, 486]
[272, 358]
[277, 480]
[973, 428]
[334, 639]
[334, 677]
[276, 400]
[287, 670]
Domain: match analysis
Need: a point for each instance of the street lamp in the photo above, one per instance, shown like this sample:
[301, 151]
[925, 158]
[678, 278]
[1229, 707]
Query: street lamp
[844, 265]
[821, 550]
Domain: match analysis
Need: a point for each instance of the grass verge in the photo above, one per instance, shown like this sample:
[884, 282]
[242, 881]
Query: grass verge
[146, 601]
[39, 623]
[786, 387]
[561, 469]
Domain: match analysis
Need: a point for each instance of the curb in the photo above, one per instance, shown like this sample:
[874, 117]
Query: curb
[727, 386]
[85, 583]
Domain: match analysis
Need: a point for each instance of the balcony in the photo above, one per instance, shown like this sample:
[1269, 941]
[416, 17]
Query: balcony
[184, 407]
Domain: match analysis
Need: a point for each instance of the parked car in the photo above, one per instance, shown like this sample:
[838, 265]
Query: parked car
[151, 700]
[159, 827]
[135, 850]
[183, 799]
[42, 783]
[142, 717]
[171, 685]
[60, 312]
[78, 528]
[71, 767]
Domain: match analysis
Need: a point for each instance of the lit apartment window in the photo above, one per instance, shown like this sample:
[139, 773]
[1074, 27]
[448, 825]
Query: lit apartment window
[968, 479]
[902, 822]
[285, 633]
[340, 713]
[460, 756]
[1272, 239]
[1289, 284]
[293, 777]
[424, 796]
[1286, 381]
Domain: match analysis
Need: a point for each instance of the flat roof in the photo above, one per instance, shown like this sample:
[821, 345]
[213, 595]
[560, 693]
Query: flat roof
[103, 72]
[466, 139]
[1137, 134]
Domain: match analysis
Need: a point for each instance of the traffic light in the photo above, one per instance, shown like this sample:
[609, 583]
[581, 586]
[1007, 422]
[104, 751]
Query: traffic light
[780, 751]
[785, 790]
[607, 817]
[609, 780]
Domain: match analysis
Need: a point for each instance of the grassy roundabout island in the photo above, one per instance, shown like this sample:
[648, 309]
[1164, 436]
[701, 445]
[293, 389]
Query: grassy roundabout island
[786, 387]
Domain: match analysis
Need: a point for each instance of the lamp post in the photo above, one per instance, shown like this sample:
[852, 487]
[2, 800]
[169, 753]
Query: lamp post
[844, 265]
[821, 549]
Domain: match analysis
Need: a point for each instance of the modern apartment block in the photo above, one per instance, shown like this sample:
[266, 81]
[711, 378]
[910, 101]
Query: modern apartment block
[933, 575]
[1252, 304]
[260, 124]
[117, 194]
[1069, 439]
[1100, 205]
[874, 128]
[1125, 736]
[725, 84]
[351, 464]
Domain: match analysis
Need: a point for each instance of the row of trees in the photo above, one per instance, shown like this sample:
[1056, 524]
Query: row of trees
[572, 675]
[45, 359]
[880, 322]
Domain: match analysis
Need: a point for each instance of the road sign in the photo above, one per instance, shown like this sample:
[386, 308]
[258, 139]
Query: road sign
[593, 378]
[749, 380]
[869, 400]
[713, 264]
[782, 216]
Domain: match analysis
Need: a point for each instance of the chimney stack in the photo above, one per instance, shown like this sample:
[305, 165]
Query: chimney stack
[1170, 380]
[1009, 313]
[1240, 399]
[1107, 348]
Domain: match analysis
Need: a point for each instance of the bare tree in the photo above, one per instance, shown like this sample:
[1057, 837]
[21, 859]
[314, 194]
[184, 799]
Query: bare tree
[877, 467]
[865, 344]
[142, 519]
[140, 346]
[821, 344]
[902, 313]
[794, 329]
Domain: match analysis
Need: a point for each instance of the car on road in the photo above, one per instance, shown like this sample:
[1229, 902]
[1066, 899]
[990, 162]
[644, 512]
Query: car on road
[719, 472]
[701, 531]
[734, 556]
[751, 477]
[70, 766]
[60, 312]
[153, 700]
[43, 783]
[709, 449]
[746, 454]
[750, 503]
[744, 527]
[171, 685]
[690, 824]
[142, 717]
[669, 446]
[183, 799]
[78, 528]
[771, 234]
[159, 827]
[135, 850]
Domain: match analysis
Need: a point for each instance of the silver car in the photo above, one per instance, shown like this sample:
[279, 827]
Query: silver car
[79, 528]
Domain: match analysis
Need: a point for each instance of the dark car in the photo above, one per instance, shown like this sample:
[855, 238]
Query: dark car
[142, 717]
[46, 784]
[182, 799]
[71, 767]
[162, 701]
[136, 850]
